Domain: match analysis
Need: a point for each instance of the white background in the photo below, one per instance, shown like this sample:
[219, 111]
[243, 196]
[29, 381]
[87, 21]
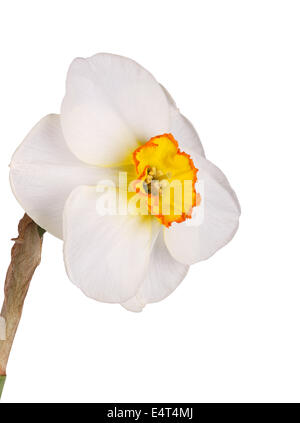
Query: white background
[230, 332]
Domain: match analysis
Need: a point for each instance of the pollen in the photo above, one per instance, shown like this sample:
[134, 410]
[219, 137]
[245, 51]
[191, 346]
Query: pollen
[155, 181]
[168, 178]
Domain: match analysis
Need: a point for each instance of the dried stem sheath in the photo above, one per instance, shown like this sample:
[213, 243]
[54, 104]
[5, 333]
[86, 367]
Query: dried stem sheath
[25, 257]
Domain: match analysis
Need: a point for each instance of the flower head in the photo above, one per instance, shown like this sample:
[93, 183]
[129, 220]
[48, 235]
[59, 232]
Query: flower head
[172, 209]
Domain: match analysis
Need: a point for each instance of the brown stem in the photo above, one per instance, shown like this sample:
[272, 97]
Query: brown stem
[25, 257]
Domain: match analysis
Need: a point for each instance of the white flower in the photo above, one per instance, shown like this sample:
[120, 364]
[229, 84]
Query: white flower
[111, 109]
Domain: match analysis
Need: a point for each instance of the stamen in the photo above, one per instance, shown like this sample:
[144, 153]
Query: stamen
[152, 171]
[154, 182]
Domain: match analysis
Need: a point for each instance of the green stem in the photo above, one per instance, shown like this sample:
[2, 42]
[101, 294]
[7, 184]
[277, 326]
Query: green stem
[2, 382]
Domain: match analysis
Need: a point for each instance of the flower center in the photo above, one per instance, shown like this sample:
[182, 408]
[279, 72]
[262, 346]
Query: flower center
[167, 178]
[155, 181]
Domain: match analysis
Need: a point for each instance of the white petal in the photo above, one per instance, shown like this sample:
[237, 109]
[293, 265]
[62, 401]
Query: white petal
[163, 276]
[183, 130]
[134, 304]
[106, 256]
[170, 99]
[44, 172]
[186, 135]
[111, 104]
[195, 240]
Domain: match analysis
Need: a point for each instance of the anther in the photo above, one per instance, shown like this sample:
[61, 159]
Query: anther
[152, 171]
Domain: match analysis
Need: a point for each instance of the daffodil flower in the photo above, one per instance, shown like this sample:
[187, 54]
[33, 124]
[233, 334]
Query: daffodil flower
[117, 119]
